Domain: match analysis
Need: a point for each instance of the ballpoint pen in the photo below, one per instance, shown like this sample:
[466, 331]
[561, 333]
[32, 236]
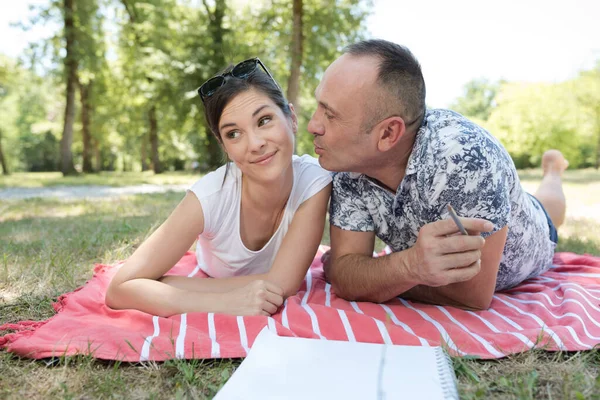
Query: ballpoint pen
[461, 228]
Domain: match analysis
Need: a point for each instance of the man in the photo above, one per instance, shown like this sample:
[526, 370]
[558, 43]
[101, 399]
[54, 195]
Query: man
[403, 164]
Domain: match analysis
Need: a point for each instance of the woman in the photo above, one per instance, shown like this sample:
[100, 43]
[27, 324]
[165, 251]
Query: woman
[258, 219]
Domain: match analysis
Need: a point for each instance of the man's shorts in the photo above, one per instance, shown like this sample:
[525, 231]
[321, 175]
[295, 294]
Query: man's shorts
[553, 232]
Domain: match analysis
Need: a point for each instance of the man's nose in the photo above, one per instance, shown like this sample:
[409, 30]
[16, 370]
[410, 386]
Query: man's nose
[315, 127]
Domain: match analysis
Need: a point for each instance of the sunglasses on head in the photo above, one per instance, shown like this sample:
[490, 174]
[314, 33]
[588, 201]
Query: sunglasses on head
[241, 71]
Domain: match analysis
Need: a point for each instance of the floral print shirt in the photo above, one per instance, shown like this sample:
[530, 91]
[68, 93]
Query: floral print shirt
[456, 162]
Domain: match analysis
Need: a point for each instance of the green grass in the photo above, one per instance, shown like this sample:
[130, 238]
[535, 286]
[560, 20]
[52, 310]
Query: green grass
[45, 179]
[48, 247]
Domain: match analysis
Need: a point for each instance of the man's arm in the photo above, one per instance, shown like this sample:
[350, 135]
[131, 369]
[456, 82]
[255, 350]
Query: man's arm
[354, 273]
[476, 293]
[436, 259]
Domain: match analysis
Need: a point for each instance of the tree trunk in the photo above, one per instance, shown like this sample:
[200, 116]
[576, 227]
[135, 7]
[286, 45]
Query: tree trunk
[215, 27]
[2, 159]
[97, 155]
[66, 156]
[144, 153]
[86, 114]
[154, 140]
[598, 143]
[297, 50]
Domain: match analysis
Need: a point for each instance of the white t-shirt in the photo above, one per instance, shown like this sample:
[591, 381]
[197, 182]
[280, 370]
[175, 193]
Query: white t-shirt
[220, 250]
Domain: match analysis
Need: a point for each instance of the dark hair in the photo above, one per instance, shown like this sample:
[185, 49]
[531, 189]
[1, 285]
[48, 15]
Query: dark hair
[258, 80]
[399, 73]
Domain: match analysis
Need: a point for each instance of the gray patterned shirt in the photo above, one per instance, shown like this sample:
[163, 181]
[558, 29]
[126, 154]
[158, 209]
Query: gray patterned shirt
[456, 162]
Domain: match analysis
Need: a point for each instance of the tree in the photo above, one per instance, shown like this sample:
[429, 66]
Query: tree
[151, 40]
[266, 28]
[297, 47]
[139, 106]
[478, 99]
[216, 49]
[4, 78]
[3, 163]
[92, 69]
[587, 89]
[70, 64]
[531, 118]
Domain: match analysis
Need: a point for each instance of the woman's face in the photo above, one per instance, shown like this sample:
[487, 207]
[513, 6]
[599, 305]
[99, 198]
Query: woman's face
[257, 135]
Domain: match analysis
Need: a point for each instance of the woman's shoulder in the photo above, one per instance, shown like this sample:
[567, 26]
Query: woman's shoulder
[307, 164]
[309, 178]
[215, 182]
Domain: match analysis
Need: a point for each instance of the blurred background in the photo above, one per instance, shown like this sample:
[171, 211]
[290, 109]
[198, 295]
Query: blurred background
[110, 85]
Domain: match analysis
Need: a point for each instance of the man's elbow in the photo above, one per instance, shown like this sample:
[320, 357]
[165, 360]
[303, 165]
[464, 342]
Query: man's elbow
[479, 303]
[347, 293]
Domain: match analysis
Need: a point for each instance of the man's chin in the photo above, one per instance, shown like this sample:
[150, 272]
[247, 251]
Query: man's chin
[328, 165]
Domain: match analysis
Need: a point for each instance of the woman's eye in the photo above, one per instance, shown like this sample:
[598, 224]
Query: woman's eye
[232, 134]
[264, 120]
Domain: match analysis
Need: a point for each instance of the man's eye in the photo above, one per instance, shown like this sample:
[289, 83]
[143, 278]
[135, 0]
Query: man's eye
[328, 116]
[232, 134]
[264, 120]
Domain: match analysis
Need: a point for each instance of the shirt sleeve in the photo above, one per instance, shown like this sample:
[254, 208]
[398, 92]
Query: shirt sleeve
[347, 209]
[313, 178]
[472, 175]
[207, 190]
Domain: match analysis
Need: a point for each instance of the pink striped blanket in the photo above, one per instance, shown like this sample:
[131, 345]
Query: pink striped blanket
[559, 310]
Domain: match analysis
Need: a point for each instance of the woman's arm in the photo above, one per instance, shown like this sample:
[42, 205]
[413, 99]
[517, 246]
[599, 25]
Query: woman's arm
[136, 284]
[300, 244]
[295, 255]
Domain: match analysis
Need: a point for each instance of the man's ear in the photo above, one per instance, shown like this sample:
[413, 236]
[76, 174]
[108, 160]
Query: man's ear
[294, 118]
[390, 131]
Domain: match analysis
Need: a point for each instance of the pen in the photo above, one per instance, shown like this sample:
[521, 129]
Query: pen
[461, 228]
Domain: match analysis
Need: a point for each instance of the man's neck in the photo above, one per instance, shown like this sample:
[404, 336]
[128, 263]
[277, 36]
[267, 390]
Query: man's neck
[390, 172]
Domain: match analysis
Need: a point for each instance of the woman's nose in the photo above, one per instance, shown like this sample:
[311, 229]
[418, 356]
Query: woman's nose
[257, 141]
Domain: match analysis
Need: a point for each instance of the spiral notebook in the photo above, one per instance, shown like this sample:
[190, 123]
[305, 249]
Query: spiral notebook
[295, 368]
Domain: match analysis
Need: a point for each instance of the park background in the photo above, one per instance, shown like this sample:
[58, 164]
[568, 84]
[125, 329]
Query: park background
[103, 92]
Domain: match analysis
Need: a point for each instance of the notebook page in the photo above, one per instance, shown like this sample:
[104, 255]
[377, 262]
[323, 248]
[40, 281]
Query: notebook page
[297, 368]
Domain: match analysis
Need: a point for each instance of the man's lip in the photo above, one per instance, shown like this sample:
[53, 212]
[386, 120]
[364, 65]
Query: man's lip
[263, 158]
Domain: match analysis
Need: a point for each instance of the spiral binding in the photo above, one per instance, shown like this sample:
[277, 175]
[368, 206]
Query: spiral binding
[446, 374]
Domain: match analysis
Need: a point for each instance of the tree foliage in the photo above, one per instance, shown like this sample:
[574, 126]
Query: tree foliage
[134, 67]
[530, 118]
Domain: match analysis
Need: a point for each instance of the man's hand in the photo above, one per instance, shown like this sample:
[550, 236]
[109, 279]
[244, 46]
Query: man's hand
[441, 257]
[256, 298]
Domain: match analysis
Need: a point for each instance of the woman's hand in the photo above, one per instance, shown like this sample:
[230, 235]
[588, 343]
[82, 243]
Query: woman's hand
[259, 297]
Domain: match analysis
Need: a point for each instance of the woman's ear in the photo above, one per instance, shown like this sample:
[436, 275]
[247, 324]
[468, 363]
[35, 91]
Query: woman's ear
[294, 118]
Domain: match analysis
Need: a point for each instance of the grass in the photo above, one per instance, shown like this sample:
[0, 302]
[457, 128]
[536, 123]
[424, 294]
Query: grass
[48, 247]
[117, 179]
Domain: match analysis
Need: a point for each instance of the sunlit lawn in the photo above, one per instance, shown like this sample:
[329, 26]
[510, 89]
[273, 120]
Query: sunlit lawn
[48, 247]
[44, 179]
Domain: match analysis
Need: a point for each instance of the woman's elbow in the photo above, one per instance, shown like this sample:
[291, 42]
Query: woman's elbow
[289, 291]
[111, 298]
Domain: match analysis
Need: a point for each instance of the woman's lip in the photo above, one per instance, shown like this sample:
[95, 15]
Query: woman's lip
[265, 159]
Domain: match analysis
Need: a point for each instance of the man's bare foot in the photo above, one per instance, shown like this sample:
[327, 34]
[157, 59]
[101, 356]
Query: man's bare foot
[554, 162]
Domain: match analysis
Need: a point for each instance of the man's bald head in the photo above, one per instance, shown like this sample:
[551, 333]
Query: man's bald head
[399, 75]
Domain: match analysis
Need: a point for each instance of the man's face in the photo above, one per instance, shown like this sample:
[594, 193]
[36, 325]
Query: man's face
[338, 123]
